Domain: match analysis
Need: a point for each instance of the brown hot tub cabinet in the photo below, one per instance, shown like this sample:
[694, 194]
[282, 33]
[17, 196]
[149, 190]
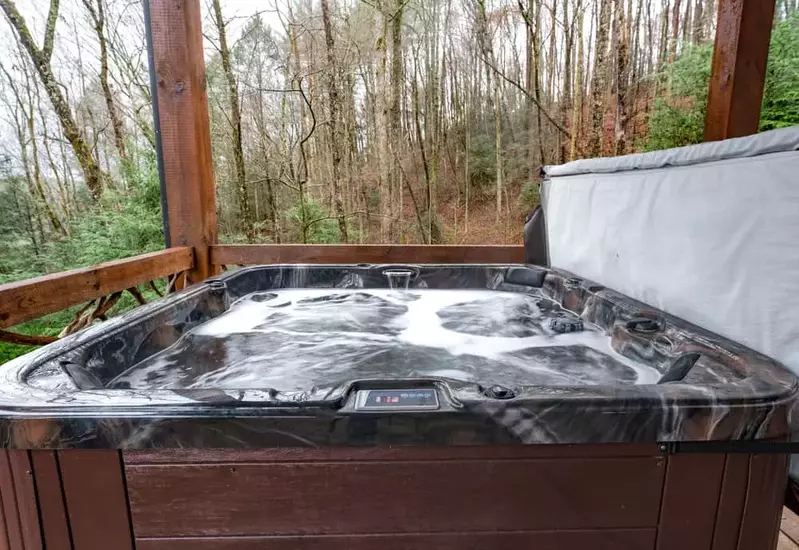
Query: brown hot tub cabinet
[601, 424]
[549, 497]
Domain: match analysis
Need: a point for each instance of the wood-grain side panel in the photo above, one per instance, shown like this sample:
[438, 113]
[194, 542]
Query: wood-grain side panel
[731, 502]
[373, 497]
[25, 489]
[690, 499]
[631, 539]
[95, 496]
[11, 529]
[52, 510]
[768, 476]
[300, 454]
[20, 521]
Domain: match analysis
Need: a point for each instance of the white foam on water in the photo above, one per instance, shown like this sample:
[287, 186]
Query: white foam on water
[419, 326]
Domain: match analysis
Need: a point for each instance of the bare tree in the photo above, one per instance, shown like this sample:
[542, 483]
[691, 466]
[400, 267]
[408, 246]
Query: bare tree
[41, 58]
[599, 80]
[97, 14]
[24, 123]
[335, 113]
[242, 194]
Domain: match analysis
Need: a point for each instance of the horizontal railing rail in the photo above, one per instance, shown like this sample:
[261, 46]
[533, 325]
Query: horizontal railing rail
[30, 299]
[247, 254]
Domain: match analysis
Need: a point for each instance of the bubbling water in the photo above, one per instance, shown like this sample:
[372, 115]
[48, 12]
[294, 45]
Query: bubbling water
[296, 339]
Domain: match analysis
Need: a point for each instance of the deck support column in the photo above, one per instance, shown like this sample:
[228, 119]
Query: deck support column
[738, 73]
[182, 127]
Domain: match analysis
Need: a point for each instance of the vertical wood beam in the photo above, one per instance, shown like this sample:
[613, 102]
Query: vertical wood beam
[738, 73]
[176, 43]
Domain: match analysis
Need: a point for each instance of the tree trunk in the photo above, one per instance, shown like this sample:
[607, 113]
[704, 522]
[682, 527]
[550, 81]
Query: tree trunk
[235, 121]
[488, 52]
[467, 175]
[599, 80]
[552, 61]
[41, 60]
[699, 22]
[622, 61]
[63, 193]
[55, 223]
[530, 84]
[395, 108]
[537, 79]
[98, 18]
[382, 129]
[420, 139]
[336, 139]
[271, 198]
[568, 75]
[498, 145]
[687, 25]
[305, 132]
[675, 31]
[34, 216]
[353, 166]
[664, 35]
[577, 112]
[636, 69]
[24, 120]
[709, 13]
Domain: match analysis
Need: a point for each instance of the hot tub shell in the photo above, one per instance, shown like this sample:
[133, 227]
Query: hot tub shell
[655, 466]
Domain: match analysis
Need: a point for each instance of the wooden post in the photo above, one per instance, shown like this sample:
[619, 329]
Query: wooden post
[176, 44]
[739, 68]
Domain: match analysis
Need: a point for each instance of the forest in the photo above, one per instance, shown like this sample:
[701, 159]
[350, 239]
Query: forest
[332, 121]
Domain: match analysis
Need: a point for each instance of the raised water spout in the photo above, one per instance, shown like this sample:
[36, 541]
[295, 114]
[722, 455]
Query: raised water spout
[399, 278]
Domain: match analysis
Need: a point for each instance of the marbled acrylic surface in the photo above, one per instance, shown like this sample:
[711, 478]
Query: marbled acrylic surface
[246, 360]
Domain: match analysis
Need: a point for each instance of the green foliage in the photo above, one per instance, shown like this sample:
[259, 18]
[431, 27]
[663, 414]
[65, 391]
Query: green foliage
[19, 246]
[321, 227]
[125, 223]
[679, 120]
[781, 95]
[675, 125]
[529, 196]
[482, 164]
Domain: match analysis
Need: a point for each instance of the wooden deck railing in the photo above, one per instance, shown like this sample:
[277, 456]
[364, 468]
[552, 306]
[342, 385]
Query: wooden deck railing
[100, 285]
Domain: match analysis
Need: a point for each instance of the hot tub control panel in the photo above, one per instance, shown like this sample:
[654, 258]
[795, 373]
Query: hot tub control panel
[397, 400]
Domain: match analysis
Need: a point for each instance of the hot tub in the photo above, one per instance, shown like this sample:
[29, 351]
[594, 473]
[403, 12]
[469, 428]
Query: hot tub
[471, 406]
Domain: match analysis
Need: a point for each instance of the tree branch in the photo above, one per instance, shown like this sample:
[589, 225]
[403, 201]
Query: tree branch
[25, 339]
[49, 31]
[324, 218]
[19, 24]
[532, 98]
